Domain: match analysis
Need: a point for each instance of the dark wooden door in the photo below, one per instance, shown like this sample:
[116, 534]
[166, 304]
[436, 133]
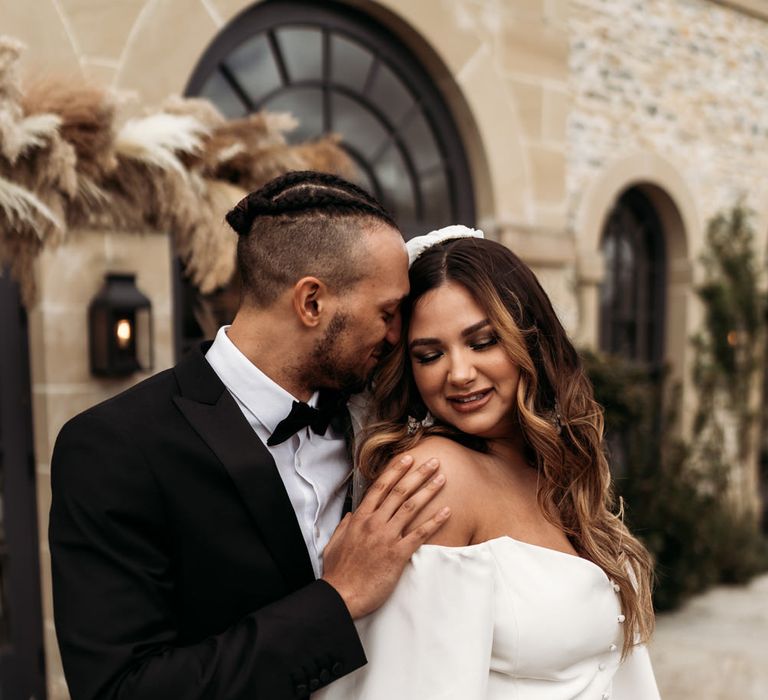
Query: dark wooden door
[22, 672]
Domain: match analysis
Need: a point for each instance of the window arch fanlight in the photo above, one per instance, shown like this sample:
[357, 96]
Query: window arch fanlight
[632, 294]
[338, 71]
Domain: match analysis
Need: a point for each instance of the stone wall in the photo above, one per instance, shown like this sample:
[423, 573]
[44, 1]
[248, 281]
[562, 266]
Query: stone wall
[671, 97]
[685, 80]
[68, 278]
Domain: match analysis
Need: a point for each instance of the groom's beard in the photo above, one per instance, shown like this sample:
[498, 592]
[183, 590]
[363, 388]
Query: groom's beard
[333, 363]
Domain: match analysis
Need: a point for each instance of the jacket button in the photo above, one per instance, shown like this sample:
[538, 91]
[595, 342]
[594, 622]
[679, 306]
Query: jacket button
[301, 690]
[325, 676]
[314, 684]
[337, 668]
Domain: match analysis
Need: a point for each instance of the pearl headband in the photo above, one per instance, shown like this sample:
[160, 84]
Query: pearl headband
[416, 246]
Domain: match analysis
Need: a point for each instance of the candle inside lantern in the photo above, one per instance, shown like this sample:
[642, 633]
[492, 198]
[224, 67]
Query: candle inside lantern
[123, 332]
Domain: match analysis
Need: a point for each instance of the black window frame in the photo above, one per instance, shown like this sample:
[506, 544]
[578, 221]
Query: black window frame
[634, 219]
[354, 24]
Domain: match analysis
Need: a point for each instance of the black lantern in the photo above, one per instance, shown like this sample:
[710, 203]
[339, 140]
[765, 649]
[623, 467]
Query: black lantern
[120, 325]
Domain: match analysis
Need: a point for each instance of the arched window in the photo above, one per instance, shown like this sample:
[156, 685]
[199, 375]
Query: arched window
[340, 72]
[632, 294]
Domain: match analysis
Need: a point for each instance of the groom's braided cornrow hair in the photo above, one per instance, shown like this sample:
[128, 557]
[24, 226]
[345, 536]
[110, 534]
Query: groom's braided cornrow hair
[299, 224]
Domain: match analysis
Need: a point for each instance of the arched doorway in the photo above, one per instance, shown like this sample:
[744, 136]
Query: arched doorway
[632, 296]
[339, 71]
[633, 309]
[22, 671]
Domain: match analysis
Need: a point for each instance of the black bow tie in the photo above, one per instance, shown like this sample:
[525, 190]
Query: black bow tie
[331, 411]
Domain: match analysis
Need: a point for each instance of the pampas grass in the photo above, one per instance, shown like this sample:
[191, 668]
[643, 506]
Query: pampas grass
[327, 156]
[22, 208]
[87, 116]
[10, 84]
[24, 135]
[213, 244]
[65, 163]
[229, 153]
[158, 139]
[30, 221]
[202, 110]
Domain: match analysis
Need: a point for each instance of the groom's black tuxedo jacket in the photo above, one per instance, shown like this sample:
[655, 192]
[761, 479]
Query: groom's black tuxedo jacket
[179, 569]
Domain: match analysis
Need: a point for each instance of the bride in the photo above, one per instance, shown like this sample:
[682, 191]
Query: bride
[534, 588]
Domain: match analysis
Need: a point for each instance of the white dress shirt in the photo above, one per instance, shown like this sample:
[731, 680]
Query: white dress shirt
[314, 468]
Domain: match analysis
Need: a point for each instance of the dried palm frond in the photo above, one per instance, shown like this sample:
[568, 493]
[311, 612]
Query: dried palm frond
[327, 156]
[251, 160]
[201, 109]
[228, 152]
[210, 263]
[38, 130]
[87, 120]
[158, 140]
[144, 195]
[259, 130]
[252, 170]
[20, 136]
[10, 138]
[26, 223]
[11, 141]
[48, 170]
[10, 84]
[91, 206]
[22, 208]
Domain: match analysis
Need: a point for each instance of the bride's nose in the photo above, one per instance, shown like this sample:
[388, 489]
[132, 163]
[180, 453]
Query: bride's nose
[462, 370]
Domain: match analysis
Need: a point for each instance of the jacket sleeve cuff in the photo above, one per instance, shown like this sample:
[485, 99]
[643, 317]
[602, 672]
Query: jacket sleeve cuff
[334, 647]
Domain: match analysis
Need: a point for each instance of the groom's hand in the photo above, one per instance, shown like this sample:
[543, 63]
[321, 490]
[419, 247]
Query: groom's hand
[368, 551]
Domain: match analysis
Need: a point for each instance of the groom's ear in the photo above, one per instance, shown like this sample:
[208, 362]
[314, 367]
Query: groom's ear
[310, 300]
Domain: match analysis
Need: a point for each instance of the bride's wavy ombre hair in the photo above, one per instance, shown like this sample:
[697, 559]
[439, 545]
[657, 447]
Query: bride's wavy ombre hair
[575, 481]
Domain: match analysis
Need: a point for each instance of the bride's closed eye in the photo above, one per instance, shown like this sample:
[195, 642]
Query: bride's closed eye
[479, 345]
[427, 358]
[484, 343]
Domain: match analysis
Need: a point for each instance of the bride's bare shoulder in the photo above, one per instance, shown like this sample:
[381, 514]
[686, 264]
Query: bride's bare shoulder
[462, 469]
[455, 454]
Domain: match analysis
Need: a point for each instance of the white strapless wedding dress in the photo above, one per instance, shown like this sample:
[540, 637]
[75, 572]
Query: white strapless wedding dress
[498, 620]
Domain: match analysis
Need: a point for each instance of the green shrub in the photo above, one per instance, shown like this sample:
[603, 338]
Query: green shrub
[675, 492]
[673, 495]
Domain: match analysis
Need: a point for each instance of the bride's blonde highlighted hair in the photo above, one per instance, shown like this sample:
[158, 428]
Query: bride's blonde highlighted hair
[561, 422]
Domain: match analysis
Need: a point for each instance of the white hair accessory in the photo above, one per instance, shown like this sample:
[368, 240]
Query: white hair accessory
[416, 246]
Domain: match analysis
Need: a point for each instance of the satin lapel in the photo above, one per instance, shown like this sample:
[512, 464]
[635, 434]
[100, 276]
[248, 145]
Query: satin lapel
[349, 441]
[221, 424]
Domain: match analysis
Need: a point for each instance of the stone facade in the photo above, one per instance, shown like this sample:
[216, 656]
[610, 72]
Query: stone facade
[689, 85]
[562, 105]
[62, 385]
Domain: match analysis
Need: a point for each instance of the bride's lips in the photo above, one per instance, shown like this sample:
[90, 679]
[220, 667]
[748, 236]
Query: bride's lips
[467, 403]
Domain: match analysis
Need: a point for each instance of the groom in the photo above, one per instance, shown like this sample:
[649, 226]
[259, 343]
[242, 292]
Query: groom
[193, 528]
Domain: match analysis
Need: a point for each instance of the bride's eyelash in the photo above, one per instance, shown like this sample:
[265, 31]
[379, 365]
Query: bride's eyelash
[426, 359]
[485, 343]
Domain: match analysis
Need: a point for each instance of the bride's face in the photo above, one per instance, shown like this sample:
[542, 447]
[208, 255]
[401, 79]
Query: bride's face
[462, 372]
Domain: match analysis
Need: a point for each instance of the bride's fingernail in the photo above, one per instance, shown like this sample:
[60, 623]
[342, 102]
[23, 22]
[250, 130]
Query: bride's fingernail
[439, 479]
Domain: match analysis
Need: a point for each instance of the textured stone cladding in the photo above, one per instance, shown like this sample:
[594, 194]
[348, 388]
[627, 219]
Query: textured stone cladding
[685, 79]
